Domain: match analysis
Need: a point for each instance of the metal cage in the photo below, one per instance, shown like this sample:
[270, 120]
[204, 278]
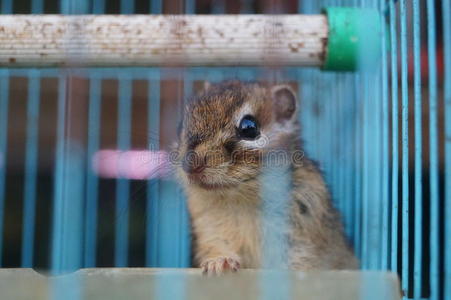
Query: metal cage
[382, 136]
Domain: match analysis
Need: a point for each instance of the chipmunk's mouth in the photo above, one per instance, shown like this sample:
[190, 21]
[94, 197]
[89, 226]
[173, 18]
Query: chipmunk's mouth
[207, 184]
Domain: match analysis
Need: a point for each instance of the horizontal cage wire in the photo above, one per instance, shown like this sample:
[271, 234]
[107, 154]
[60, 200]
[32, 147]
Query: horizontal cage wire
[84, 178]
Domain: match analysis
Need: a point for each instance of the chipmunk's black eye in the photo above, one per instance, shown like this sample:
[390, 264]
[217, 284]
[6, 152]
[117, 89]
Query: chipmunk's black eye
[248, 128]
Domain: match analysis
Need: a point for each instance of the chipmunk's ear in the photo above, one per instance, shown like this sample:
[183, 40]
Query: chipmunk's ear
[202, 87]
[284, 102]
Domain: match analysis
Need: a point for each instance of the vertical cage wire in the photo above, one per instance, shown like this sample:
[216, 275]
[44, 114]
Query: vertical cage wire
[347, 173]
[377, 167]
[98, 7]
[335, 143]
[185, 245]
[4, 104]
[153, 185]
[68, 214]
[385, 226]
[366, 172]
[350, 154]
[187, 91]
[31, 157]
[6, 8]
[404, 149]
[418, 251]
[357, 170]
[370, 122]
[395, 148]
[93, 145]
[433, 148]
[122, 184]
[127, 7]
[190, 7]
[92, 181]
[58, 209]
[123, 143]
[31, 162]
[446, 17]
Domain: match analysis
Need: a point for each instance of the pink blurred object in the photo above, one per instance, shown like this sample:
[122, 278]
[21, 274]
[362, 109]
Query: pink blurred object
[131, 164]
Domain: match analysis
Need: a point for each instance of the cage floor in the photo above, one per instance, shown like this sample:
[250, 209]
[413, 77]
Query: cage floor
[147, 283]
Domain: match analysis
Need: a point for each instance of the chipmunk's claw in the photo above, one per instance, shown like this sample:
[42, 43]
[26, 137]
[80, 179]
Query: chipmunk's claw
[219, 265]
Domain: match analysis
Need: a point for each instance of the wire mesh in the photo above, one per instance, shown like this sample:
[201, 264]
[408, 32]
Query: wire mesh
[382, 137]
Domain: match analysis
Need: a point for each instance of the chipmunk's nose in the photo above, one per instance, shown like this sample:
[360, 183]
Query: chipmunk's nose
[193, 163]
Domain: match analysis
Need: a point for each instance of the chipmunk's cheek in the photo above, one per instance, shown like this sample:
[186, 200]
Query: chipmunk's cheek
[241, 172]
[210, 179]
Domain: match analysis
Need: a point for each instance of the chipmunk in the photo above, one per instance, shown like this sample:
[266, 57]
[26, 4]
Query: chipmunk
[226, 133]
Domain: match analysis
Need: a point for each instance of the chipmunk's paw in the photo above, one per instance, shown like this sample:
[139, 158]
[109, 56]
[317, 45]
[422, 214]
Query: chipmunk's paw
[219, 265]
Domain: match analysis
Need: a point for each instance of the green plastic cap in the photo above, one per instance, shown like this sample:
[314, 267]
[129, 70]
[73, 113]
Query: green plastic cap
[354, 39]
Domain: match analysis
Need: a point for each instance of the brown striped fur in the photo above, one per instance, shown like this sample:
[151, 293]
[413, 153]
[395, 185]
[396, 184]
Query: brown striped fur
[224, 200]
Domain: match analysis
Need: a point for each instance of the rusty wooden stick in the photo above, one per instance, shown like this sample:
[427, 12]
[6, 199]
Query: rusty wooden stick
[162, 40]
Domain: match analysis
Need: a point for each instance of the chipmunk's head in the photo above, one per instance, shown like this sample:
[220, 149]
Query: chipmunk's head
[229, 128]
